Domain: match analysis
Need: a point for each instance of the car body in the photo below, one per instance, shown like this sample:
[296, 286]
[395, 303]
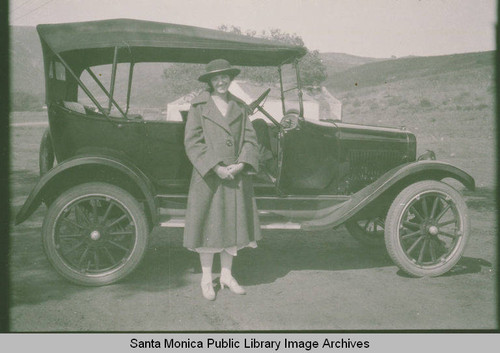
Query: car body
[118, 175]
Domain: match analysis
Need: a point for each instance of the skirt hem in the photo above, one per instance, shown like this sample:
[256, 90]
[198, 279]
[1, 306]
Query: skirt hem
[233, 250]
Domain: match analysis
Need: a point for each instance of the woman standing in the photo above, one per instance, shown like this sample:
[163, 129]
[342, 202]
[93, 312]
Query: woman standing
[221, 144]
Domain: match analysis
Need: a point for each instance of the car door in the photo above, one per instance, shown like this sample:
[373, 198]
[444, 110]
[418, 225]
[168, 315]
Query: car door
[76, 133]
[166, 161]
[308, 158]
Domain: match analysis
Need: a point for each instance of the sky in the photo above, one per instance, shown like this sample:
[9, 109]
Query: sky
[370, 28]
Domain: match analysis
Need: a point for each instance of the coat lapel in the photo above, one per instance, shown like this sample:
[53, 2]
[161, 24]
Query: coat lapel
[236, 111]
[242, 134]
[211, 112]
[233, 112]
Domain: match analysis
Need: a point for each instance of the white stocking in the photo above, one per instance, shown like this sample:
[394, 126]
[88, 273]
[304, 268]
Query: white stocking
[206, 260]
[226, 262]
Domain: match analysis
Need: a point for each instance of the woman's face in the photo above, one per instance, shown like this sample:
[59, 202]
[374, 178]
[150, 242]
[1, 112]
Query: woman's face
[220, 83]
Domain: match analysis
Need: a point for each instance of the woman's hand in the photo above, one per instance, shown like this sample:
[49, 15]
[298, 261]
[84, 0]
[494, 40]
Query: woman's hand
[223, 172]
[235, 169]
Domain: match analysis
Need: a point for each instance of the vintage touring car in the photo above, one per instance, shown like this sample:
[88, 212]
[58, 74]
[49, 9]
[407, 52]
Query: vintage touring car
[118, 174]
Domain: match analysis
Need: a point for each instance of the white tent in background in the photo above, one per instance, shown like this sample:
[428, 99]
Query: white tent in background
[181, 104]
[333, 103]
[249, 92]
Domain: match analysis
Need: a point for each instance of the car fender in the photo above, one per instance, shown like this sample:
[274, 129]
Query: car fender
[46, 154]
[63, 172]
[395, 179]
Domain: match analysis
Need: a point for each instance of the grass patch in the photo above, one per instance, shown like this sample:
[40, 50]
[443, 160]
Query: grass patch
[425, 103]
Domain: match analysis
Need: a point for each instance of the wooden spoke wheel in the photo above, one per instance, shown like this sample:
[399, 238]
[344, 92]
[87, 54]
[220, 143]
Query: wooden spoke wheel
[426, 229]
[95, 234]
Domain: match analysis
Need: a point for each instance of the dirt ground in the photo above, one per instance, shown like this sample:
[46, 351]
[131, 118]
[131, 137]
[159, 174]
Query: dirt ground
[295, 281]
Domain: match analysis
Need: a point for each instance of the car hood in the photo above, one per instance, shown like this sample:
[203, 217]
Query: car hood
[355, 131]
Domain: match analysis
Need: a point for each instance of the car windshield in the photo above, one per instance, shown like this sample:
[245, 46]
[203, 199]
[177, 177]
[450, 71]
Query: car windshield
[163, 91]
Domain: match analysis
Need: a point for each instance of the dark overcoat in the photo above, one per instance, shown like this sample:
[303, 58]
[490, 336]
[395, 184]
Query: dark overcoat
[220, 213]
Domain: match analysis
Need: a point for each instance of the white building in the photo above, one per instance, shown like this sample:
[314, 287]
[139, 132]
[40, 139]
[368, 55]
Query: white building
[249, 92]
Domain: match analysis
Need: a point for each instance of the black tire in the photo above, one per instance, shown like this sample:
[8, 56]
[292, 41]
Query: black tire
[46, 153]
[95, 234]
[427, 228]
[368, 232]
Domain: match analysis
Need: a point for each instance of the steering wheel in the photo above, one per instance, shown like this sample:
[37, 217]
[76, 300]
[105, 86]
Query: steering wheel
[256, 105]
[259, 100]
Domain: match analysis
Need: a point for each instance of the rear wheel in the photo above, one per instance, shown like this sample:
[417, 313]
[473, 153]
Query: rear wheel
[95, 234]
[368, 232]
[426, 228]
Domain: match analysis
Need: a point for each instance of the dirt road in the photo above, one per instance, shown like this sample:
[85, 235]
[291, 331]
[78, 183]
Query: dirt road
[295, 281]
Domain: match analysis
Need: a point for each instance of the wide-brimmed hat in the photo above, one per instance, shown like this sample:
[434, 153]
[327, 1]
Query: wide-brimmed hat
[217, 67]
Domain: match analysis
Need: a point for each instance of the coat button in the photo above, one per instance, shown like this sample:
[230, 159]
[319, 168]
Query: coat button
[229, 143]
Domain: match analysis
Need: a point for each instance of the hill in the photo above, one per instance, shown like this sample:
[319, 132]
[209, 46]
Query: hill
[414, 85]
[393, 70]
[338, 62]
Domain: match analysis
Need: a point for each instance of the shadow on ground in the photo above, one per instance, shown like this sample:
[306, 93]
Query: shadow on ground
[167, 265]
[481, 199]
[465, 265]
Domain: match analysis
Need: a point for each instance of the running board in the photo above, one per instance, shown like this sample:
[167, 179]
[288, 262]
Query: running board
[265, 223]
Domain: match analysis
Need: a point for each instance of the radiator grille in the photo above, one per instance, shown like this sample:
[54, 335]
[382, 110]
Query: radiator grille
[366, 166]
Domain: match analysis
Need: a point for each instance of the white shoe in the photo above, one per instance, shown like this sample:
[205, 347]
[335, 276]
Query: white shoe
[232, 285]
[207, 289]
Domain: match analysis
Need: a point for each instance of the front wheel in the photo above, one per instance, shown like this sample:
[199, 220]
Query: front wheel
[426, 228]
[95, 234]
